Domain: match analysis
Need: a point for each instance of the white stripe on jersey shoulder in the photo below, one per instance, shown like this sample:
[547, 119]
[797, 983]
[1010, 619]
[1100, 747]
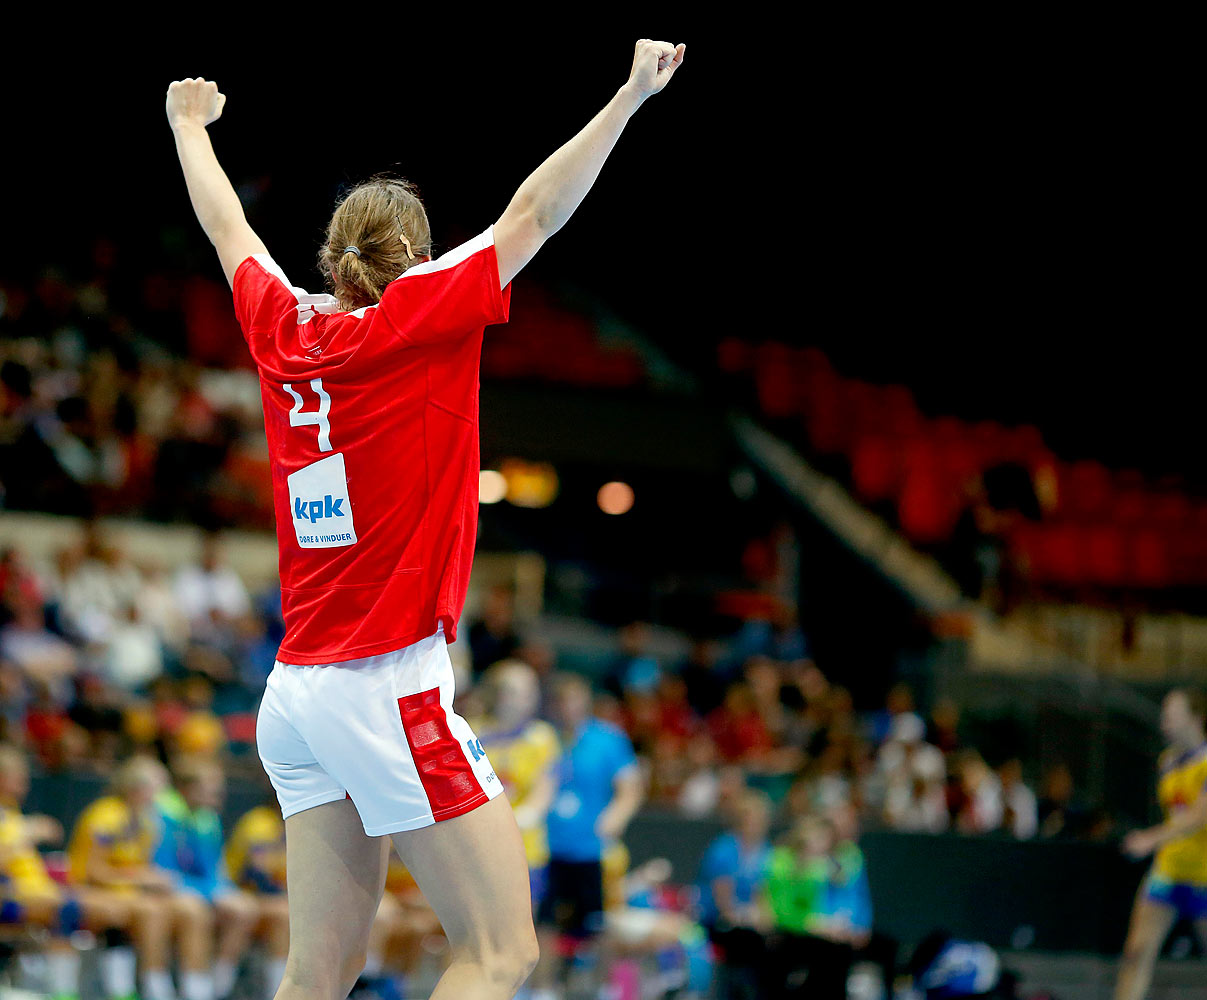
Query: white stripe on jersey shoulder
[443, 262]
[308, 304]
[454, 256]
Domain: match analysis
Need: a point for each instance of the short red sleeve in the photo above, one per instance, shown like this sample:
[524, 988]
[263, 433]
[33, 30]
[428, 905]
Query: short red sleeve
[263, 296]
[450, 297]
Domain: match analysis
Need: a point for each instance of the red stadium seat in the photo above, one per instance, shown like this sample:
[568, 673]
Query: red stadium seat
[876, 468]
[1149, 565]
[1105, 555]
[1085, 490]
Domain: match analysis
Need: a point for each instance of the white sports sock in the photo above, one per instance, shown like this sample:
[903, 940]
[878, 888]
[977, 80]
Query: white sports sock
[274, 974]
[224, 978]
[63, 972]
[197, 986]
[118, 967]
[157, 985]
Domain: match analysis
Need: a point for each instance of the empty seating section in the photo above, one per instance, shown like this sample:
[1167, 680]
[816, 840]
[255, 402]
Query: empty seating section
[1099, 528]
[545, 342]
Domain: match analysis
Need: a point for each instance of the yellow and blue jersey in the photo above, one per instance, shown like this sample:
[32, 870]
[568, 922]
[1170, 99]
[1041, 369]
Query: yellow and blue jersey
[520, 758]
[22, 871]
[255, 851]
[127, 839]
[1183, 778]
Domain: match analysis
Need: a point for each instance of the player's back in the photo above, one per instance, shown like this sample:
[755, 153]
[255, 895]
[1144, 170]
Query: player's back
[1183, 776]
[371, 421]
[127, 838]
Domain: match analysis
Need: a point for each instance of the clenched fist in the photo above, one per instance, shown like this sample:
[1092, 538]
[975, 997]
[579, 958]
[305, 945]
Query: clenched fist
[194, 102]
[654, 63]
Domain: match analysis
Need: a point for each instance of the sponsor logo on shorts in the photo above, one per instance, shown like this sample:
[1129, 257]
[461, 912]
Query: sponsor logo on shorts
[475, 748]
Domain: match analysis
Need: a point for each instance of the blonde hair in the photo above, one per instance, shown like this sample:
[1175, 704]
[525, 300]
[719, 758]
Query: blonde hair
[190, 769]
[385, 221]
[138, 771]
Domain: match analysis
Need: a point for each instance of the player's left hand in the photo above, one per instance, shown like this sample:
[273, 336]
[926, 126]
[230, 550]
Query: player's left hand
[1139, 843]
[194, 100]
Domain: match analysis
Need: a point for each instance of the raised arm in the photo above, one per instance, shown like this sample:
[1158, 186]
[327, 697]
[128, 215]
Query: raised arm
[557, 187]
[191, 106]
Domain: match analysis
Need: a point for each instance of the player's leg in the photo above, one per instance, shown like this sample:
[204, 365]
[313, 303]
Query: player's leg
[111, 915]
[193, 923]
[151, 928]
[274, 932]
[473, 872]
[338, 874]
[236, 913]
[43, 907]
[1150, 924]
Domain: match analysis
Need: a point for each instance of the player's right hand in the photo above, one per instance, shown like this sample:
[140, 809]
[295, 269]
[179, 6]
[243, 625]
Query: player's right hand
[194, 101]
[654, 63]
[1140, 843]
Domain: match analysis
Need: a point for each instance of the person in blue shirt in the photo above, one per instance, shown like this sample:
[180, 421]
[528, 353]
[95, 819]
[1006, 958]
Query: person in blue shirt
[599, 787]
[190, 850]
[732, 874]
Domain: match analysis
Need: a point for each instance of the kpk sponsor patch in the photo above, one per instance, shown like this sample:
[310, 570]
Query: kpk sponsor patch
[319, 504]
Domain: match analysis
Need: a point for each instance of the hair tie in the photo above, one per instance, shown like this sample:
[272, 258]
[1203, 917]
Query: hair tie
[354, 250]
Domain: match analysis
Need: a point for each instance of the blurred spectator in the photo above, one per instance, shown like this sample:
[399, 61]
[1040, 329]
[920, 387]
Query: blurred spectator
[1060, 811]
[911, 773]
[158, 609]
[524, 751]
[14, 702]
[778, 637]
[56, 741]
[811, 952]
[493, 637]
[43, 658]
[977, 805]
[633, 669]
[190, 850]
[200, 731]
[133, 654]
[1020, 814]
[210, 594]
[733, 874]
[97, 712]
[848, 901]
[944, 728]
[737, 728]
[699, 792]
[898, 702]
[599, 787]
[702, 675]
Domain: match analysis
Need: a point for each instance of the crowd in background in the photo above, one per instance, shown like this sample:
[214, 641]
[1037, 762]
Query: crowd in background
[100, 656]
[97, 414]
[104, 661]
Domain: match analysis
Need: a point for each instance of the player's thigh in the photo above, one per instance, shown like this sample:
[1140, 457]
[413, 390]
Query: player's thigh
[336, 875]
[1150, 924]
[473, 873]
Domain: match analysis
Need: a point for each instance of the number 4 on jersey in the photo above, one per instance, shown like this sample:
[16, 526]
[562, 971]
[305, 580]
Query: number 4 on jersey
[299, 419]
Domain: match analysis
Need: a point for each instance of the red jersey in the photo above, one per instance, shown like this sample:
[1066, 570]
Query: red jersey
[372, 425]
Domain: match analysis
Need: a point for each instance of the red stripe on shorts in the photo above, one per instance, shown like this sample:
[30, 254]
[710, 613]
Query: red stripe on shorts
[448, 779]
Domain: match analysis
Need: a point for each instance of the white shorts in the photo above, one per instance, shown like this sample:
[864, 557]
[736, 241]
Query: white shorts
[380, 731]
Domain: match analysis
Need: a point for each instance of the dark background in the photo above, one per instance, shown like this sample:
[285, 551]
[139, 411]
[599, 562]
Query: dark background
[999, 212]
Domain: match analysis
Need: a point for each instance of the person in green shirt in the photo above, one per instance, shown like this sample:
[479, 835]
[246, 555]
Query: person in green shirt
[811, 955]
